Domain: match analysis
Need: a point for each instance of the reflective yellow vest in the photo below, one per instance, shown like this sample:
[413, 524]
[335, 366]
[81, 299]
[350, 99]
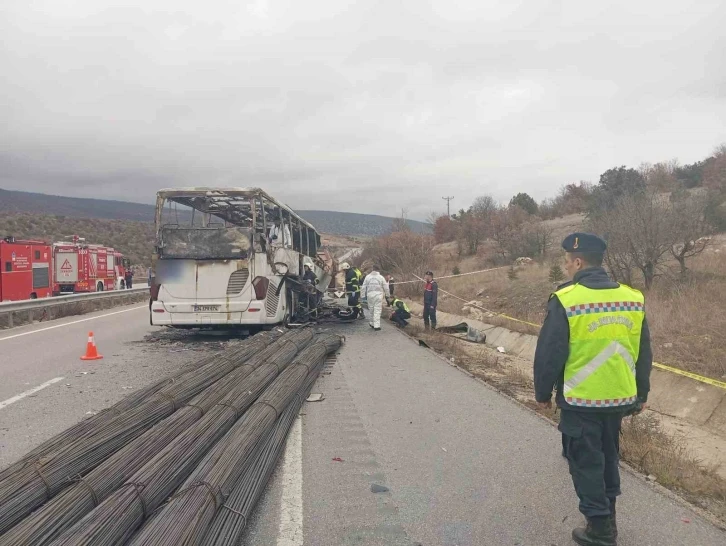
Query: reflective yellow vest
[605, 327]
[355, 280]
[405, 307]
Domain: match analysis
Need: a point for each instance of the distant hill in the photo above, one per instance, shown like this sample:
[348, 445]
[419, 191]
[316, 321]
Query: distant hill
[348, 223]
[336, 223]
[134, 239]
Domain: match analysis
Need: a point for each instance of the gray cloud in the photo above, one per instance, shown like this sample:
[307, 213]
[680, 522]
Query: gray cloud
[356, 106]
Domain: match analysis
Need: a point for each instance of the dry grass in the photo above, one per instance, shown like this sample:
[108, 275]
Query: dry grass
[687, 321]
[650, 450]
[686, 317]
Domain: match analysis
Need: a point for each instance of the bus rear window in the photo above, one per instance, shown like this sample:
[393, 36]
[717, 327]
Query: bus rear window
[200, 243]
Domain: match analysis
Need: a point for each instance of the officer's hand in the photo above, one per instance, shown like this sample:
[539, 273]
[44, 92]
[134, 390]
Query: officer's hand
[545, 405]
[639, 409]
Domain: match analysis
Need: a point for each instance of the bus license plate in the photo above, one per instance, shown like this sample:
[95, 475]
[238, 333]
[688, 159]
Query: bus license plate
[205, 308]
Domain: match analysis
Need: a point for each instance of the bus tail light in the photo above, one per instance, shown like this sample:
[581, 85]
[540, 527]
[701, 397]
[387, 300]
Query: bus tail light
[260, 285]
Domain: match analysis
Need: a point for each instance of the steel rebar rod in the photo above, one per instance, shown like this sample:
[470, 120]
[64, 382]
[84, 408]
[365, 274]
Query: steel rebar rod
[72, 504]
[229, 524]
[29, 488]
[87, 425]
[188, 515]
[122, 513]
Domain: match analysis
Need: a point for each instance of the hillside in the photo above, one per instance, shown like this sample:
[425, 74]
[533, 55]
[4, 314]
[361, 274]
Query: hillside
[348, 223]
[133, 239]
[336, 223]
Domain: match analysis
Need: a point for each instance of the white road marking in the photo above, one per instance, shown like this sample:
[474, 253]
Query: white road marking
[71, 323]
[290, 532]
[22, 395]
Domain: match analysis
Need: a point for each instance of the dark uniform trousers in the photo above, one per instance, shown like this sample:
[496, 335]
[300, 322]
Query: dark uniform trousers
[354, 302]
[429, 315]
[400, 317]
[591, 441]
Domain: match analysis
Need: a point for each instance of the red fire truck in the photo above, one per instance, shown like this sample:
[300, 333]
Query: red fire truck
[25, 269]
[35, 269]
[82, 267]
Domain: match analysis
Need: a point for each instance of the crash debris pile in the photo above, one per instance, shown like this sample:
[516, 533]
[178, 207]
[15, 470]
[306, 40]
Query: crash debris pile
[182, 462]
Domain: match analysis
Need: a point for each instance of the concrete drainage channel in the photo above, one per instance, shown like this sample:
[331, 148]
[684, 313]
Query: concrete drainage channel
[19, 313]
[677, 396]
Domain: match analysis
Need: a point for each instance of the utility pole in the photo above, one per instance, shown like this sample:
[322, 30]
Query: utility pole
[448, 205]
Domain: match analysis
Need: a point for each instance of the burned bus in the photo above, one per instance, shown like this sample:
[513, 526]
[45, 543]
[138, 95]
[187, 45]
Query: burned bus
[232, 257]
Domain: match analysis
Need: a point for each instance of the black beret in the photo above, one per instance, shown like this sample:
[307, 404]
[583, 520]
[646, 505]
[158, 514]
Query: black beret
[584, 242]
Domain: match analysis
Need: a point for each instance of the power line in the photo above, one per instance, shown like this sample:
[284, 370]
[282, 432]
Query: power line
[448, 205]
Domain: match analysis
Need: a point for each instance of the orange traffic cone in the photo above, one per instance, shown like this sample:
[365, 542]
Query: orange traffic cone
[91, 350]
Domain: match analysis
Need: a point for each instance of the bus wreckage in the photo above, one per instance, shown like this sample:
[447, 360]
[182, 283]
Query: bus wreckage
[234, 257]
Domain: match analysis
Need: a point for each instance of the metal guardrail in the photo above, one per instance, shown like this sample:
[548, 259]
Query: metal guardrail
[27, 305]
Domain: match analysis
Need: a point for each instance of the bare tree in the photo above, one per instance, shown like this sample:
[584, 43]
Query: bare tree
[474, 225]
[692, 229]
[507, 229]
[661, 176]
[399, 224]
[402, 252]
[432, 217]
[640, 233]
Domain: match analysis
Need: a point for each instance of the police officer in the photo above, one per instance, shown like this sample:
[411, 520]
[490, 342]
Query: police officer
[401, 312]
[431, 297]
[594, 347]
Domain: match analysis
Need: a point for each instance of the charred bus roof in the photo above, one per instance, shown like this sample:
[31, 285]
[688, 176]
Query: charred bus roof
[233, 205]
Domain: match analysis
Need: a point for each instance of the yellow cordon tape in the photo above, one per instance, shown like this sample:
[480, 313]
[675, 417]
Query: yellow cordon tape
[678, 371]
[707, 380]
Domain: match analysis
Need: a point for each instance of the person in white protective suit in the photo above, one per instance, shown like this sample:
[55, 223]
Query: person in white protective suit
[375, 290]
[280, 236]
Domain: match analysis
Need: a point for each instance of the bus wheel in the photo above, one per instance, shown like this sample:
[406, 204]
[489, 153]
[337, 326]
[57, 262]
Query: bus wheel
[99, 287]
[33, 296]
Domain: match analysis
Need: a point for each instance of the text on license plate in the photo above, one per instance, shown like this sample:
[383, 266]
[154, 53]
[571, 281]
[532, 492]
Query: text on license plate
[205, 308]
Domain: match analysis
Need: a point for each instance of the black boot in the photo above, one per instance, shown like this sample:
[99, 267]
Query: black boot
[613, 520]
[599, 532]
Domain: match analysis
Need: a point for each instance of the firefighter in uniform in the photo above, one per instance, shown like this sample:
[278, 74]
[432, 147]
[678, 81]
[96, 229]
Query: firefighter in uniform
[594, 347]
[353, 277]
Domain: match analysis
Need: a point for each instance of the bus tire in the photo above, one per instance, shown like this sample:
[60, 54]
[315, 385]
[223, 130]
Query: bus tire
[99, 287]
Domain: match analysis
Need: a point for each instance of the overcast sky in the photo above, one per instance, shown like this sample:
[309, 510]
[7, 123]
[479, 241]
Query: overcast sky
[360, 106]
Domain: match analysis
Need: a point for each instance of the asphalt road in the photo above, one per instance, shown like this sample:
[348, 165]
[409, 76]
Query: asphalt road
[462, 465]
[35, 355]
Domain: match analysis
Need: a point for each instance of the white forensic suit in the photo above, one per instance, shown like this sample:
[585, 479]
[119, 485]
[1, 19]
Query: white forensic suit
[280, 236]
[375, 290]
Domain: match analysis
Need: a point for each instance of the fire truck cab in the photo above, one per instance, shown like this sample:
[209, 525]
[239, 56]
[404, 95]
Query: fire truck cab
[25, 269]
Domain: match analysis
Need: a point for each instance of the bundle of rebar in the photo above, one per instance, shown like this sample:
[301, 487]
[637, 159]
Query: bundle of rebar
[28, 487]
[186, 518]
[229, 524]
[88, 425]
[116, 519]
[74, 503]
